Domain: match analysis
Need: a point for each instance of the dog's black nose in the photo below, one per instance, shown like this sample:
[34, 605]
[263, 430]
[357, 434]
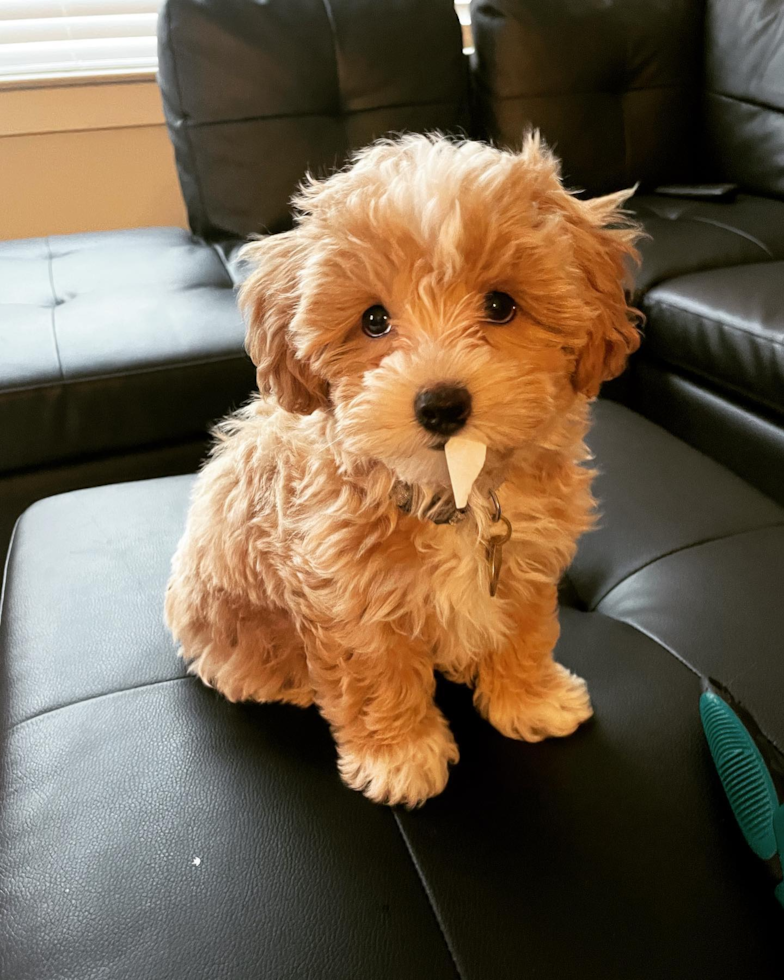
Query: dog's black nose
[443, 409]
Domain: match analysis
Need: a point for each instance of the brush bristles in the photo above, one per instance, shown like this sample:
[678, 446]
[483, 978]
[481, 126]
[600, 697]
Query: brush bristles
[743, 774]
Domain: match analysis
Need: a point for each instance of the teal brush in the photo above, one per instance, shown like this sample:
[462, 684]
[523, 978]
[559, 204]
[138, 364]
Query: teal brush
[747, 781]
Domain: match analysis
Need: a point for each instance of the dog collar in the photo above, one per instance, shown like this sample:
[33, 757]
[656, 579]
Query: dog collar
[442, 510]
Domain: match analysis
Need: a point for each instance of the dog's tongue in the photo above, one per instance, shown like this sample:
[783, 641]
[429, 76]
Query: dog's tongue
[464, 459]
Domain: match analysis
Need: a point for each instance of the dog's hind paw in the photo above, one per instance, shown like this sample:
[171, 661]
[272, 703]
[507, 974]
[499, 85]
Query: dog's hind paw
[408, 773]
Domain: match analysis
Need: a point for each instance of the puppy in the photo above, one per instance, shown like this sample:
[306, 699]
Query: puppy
[434, 290]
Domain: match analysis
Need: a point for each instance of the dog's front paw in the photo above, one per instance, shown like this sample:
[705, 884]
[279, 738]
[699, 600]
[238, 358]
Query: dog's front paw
[409, 772]
[248, 686]
[555, 707]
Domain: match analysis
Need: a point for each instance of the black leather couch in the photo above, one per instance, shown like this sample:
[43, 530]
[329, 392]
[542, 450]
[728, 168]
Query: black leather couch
[670, 93]
[150, 829]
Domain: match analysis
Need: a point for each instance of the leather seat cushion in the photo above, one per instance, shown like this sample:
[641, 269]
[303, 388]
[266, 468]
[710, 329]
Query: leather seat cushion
[657, 496]
[725, 326]
[746, 441]
[113, 341]
[691, 236]
[120, 771]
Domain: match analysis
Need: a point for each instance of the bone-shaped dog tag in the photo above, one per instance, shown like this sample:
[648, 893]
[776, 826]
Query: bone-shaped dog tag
[464, 459]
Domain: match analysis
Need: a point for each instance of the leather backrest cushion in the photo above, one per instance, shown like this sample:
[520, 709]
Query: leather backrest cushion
[613, 86]
[744, 110]
[256, 94]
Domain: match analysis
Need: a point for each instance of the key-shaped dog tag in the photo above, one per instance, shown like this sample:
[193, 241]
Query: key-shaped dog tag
[495, 554]
[495, 545]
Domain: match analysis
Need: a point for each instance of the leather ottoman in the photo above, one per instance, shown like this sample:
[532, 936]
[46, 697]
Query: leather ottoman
[151, 829]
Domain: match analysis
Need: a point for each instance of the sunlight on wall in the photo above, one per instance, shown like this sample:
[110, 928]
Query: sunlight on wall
[85, 158]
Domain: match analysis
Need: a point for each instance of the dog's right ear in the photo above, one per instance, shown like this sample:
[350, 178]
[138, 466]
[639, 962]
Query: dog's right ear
[269, 298]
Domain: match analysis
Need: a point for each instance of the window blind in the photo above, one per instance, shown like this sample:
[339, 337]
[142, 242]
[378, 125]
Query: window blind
[42, 39]
[55, 38]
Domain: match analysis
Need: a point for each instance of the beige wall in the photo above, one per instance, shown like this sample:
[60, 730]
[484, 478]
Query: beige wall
[85, 158]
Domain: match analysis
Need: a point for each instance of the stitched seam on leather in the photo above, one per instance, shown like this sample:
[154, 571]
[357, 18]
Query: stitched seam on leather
[185, 125]
[6, 566]
[674, 551]
[92, 378]
[590, 91]
[319, 114]
[656, 301]
[745, 101]
[50, 262]
[681, 660]
[717, 387]
[110, 454]
[658, 641]
[329, 13]
[734, 231]
[428, 896]
[223, 261]
[95, 697]
[719, 381]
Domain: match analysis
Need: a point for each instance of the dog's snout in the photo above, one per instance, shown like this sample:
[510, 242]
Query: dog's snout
[443, 409]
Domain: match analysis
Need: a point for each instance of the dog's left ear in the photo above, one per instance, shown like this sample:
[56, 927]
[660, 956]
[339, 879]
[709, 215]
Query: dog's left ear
[269, 298]
[604, 247]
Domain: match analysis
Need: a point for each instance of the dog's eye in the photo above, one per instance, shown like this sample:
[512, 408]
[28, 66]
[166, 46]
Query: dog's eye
[499, 307]
[375, 321]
